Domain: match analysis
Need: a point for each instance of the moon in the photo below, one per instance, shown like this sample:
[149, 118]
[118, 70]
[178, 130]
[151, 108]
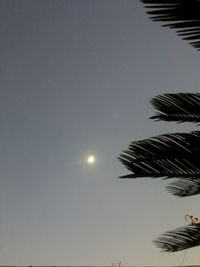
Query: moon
[91, 159]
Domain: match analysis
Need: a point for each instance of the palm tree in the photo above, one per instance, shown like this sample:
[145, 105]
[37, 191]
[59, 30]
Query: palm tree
[181, 15]
[174, 155]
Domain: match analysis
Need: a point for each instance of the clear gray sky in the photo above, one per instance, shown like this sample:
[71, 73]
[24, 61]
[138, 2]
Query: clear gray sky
[76, 79]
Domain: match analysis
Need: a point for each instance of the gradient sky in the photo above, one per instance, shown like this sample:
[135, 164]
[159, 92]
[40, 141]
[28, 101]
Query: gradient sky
[76, 78]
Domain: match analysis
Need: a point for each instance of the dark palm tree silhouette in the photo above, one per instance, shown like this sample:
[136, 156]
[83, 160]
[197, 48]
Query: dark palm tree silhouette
[174, 155]
[181, 15]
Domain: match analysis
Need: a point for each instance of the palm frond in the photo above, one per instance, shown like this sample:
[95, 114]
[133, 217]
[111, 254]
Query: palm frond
[180, 107]
[185, 187]
[179, 239]
[182, 15]
[174, 155]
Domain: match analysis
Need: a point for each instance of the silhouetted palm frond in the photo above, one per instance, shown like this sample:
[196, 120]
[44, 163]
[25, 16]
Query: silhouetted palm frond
[181, 107]
[180, 238]
[185, 187]
[165, 156]
[172, 155]
[182, 15]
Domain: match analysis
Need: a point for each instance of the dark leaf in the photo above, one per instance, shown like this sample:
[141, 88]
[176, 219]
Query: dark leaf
[165, 156]
[182, 15]
[179, 239]
[185, 187]
[181, 107]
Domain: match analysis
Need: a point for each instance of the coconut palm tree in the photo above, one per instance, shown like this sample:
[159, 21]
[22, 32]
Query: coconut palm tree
[174, 155]
[181, 15]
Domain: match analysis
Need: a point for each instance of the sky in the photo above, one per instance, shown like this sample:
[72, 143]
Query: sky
[76, 78]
